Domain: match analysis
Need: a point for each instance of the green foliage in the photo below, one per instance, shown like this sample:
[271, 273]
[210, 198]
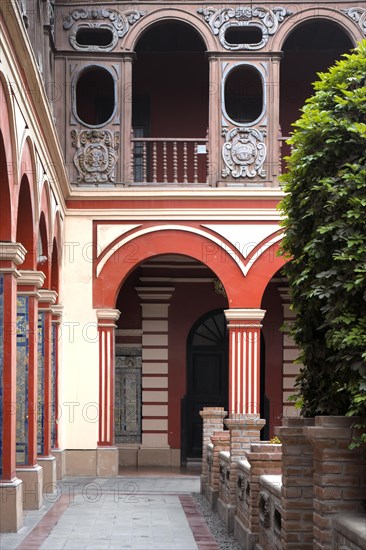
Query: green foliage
[325, 240]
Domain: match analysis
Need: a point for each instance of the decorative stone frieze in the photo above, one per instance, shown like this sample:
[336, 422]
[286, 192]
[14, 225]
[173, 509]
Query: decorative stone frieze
[244, 153]
[115, 21]
[358, 15]
[219, 20]
[96, 155]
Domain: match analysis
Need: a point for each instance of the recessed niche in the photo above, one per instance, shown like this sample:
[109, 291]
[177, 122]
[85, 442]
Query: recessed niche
[95, 96]
[244, 94]
[94, 37]
[247, 34]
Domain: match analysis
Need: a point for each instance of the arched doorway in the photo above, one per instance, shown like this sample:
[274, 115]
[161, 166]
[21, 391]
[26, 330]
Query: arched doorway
[207, 377]
[170, 105]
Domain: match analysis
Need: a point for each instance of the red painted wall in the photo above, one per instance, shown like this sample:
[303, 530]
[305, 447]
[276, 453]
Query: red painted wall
[273, 337]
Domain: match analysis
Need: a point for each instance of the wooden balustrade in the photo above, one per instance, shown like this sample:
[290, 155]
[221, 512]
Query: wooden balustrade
[169, 160]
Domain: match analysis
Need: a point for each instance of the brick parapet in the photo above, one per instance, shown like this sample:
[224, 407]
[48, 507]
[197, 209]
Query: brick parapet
[297, 484]
[339, 475]
[264, 459]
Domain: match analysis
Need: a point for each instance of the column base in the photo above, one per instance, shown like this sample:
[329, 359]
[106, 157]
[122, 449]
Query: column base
[48, 464]
[32, 478]
[212, 497]
[60, 457]
[227, 514]
[127, 454]
[246, 538]
[11, 506]
[107, 461]
[155, 456]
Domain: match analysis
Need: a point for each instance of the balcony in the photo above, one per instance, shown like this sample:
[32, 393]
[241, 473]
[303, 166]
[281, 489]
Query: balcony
[174, 160]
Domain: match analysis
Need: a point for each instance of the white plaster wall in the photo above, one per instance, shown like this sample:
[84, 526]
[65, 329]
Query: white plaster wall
[79, 376]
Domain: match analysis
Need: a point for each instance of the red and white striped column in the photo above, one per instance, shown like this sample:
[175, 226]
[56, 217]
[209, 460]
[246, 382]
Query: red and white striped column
[106, 330]
[244, 360]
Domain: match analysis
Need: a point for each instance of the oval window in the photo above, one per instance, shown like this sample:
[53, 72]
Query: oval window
[248, 34]
[95, 96]
[94, 37]
[243, 94]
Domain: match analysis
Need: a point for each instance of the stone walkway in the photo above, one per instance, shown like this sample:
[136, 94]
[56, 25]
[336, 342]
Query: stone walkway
[138, 512]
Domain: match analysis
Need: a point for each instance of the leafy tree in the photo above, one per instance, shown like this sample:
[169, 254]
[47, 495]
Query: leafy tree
[325, 240]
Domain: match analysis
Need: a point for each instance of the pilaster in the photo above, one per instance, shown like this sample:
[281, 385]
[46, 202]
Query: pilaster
[11, 509]
[47, 299]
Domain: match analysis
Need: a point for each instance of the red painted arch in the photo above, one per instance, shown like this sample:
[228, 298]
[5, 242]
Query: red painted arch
[242, 291]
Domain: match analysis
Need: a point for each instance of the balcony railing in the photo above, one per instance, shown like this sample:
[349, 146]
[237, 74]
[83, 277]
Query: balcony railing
[169, 160]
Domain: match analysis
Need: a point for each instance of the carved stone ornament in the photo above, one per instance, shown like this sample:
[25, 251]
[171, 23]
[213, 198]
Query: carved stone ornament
[358, 15]
[264, 510]
[96, 155]
[100, 18]
[244, 16]
[244, 153]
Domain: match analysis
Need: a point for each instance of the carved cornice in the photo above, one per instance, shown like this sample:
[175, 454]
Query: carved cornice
[219, 20]
[358, 15]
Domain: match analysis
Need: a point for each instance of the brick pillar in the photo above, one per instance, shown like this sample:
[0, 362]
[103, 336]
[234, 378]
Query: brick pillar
[107, 454]
[297, 484]
[11, 488]
[244, 430]
[244, 359]
[339, 475]
[28, 470]
[264, 458]
[212, 418]
[221, 442]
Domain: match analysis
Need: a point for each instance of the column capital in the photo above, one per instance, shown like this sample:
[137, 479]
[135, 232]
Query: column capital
[14, 252]
[108, 315]
[148, 293]
[31, 278]
[57, 311]
[47, 297]
[244, 422]
[241, 314]
[213, 412]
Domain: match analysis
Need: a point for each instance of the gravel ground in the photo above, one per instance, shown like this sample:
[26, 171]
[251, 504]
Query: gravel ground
[215, 524]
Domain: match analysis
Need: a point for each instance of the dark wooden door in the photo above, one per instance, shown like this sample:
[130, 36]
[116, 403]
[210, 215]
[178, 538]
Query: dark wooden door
[207, 376]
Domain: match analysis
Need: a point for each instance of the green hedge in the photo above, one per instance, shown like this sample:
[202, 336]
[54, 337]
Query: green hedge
[325, 240]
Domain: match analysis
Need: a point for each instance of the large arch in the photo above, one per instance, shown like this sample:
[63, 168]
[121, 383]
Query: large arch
[303, 16]
[25, 224]
[5, 200]
[173, 15]
[242, 291]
